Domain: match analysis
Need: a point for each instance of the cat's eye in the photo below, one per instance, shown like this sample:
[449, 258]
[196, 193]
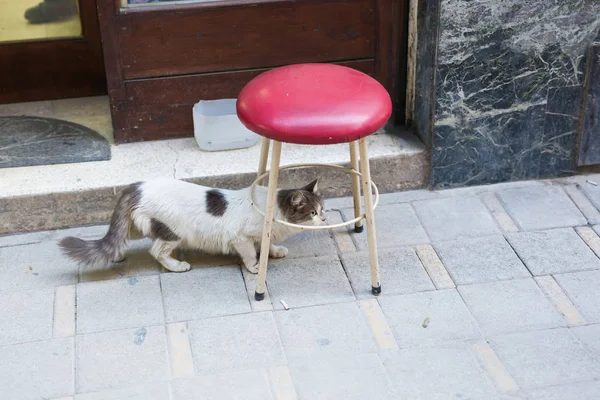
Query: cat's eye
[313, 213]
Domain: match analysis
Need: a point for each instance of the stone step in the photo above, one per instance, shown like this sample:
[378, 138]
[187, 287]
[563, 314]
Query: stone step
[66, 195]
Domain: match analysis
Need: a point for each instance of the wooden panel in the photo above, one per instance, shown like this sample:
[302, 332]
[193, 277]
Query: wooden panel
[221, 38]
[161, 108]
[53, 69]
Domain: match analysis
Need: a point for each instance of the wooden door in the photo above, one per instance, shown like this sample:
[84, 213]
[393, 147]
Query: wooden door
[50, 55]
[163, 57]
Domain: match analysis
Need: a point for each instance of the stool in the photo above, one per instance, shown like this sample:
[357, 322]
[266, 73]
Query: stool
[315, 104]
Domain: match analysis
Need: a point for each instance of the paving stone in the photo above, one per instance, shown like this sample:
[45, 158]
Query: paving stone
[26, 316]
[337, 203]
[596, 229]
[477, 260]
[91, 232]
[490, 362]
[24, 238]
[395, 224]
[84, 232]
[553, 252]
[198, 259]
[341, 236]
[427, 194]
[583, 203]
[309, 244]
[152, 391]
[400, 272]
[501, 396]
[544, 358]
[591, 191]
[590, 337]
[308, 281]
[491, 201]
[324, 331]
[358, 377]
[583, 288]
[138, 262]
[510, 306]
[455, 218]
[34, 266]
[576, 391]
[114, 359]
[442, 312]
[37, 370]
[119, 304]
[237, 385]
[590, 237]
[434, 267]
[442, 372]
[408, 196]
[545, 207]
[204, 292]
[235, 342]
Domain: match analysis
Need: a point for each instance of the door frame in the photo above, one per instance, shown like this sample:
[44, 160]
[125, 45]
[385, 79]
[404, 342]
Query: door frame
[135, 98]
[49, 69]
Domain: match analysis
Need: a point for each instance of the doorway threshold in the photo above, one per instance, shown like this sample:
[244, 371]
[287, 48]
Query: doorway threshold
[91, 112]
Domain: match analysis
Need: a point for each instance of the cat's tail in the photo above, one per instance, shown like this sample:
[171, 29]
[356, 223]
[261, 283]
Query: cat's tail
[111, 247]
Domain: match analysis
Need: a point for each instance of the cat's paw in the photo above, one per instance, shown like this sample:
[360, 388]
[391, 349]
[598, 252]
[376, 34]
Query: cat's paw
[253, 269]
[180, 266]
[278, 252]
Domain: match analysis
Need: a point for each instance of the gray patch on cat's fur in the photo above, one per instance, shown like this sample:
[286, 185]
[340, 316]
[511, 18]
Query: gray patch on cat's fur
[216, 204]
[298, 204]
[110, 247]
[161, 231]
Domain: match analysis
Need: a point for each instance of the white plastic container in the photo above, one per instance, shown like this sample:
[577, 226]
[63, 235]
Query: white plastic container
[217, 126]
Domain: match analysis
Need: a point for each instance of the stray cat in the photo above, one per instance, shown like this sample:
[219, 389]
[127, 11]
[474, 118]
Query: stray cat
[178, 214]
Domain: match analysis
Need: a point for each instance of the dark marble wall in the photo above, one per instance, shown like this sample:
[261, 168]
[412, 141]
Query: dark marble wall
[507, 87]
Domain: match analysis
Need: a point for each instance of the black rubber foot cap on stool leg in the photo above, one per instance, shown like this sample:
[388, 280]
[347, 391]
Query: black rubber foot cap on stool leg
[358, 229]
[376, 290]
[260, 296]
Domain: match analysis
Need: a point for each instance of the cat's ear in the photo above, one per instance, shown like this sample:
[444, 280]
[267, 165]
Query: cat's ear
[298, 199]
[312, 187]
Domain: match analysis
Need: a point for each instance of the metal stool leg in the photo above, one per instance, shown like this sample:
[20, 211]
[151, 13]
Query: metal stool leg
[264, 155]
[370, 220]
[269, 213]
[358, 227]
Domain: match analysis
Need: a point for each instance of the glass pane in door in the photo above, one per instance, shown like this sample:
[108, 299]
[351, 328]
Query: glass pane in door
[27, 20]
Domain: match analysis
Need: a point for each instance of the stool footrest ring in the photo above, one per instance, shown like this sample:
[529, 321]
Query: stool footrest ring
[314, 227]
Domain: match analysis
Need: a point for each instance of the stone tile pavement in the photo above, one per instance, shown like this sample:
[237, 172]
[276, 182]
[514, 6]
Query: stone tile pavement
[488, 293]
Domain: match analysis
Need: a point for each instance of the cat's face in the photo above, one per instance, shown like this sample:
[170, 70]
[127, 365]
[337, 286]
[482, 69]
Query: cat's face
[303, 206]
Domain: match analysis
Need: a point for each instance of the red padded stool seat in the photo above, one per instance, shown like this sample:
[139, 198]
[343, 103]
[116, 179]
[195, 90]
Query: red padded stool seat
[314, 104]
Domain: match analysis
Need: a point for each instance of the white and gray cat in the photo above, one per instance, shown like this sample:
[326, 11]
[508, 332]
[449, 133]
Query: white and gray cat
[178, 214]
